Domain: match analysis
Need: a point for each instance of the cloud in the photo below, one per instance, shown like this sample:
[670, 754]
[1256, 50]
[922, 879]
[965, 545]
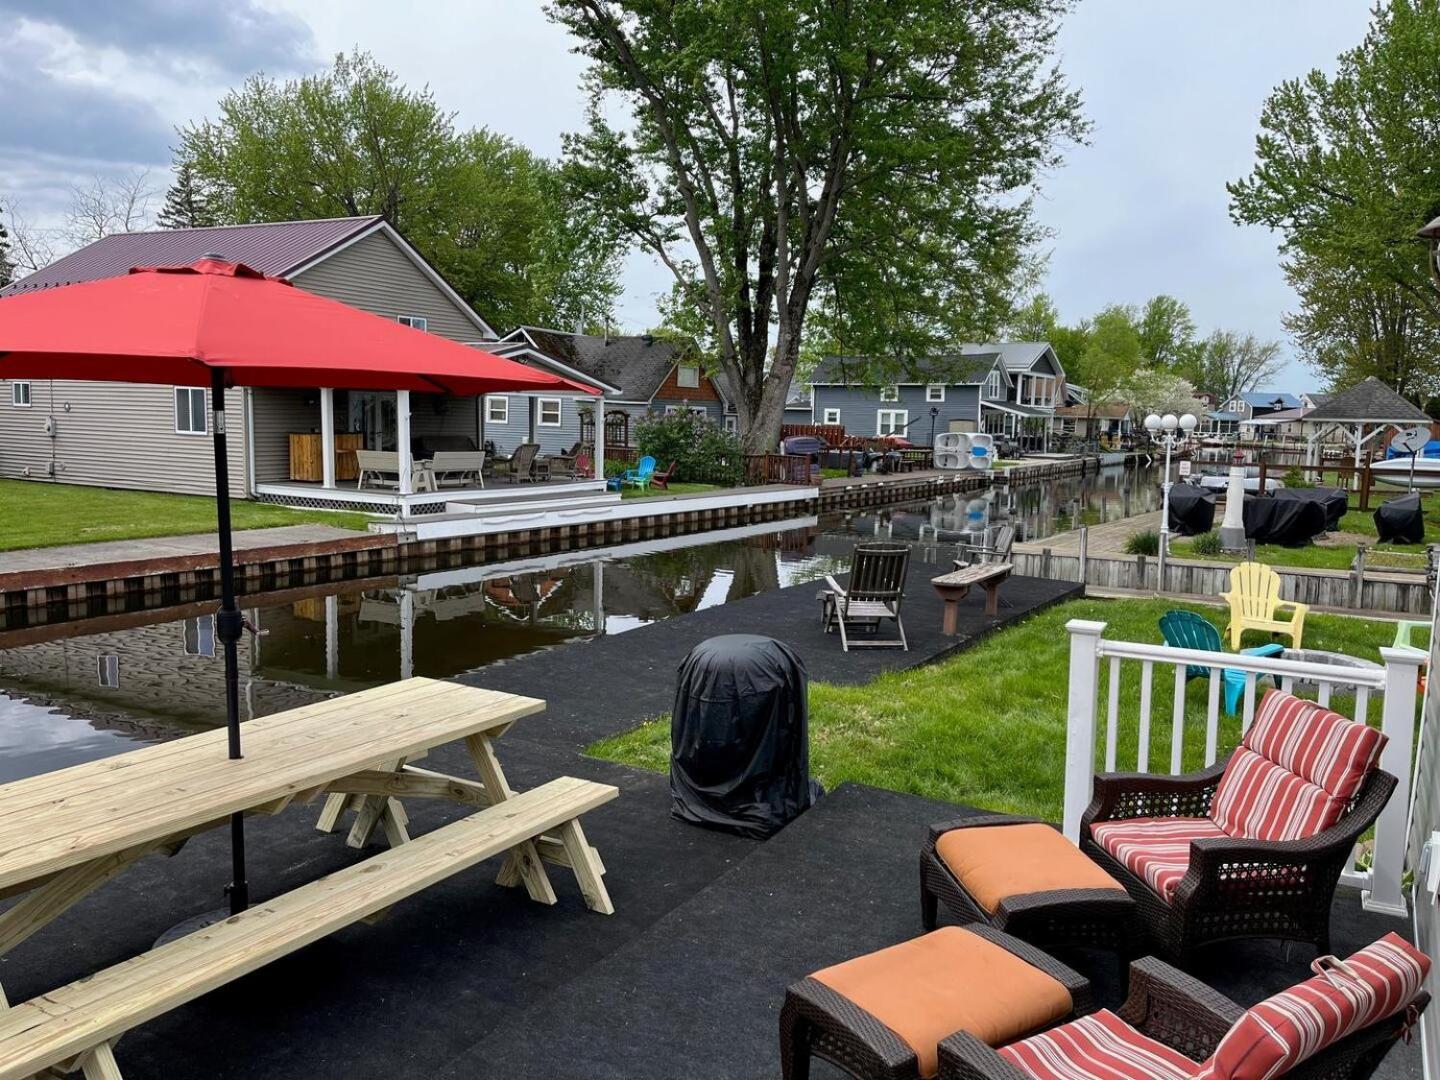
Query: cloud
[49, 116]
[237, 37]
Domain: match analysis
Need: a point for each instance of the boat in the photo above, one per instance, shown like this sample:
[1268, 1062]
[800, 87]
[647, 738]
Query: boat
[1396, 472]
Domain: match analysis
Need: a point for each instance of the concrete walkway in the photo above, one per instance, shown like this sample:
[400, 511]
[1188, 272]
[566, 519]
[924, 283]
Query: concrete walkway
[163, 547]
[1104, 539]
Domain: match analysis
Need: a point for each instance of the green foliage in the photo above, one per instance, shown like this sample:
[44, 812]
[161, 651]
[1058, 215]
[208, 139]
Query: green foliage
[1294, 478]
[1112, 354]
[187, 203]
[615, 468]
[1143, 543]
[859, 175]
[1166, 331]
[493, 218]
[1344, 171]
[1159, 391]
[1207, 545]
[704, 453]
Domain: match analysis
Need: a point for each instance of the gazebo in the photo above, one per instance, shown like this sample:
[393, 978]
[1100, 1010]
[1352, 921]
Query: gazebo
[1367, 409]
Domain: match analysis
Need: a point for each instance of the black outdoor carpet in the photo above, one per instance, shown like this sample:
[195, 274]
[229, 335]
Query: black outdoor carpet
[699, 994]
[607, 685]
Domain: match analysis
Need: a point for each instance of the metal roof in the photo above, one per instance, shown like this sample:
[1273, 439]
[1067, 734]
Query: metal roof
[1368, 401]
[273, 248]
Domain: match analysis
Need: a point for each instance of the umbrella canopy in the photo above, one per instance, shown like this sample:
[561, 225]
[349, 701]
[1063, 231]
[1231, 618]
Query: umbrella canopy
[177, 324]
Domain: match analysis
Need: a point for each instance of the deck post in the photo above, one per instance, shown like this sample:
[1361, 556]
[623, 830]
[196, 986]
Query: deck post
[1397, 723]
[1081, 716]
[402, 442]
[407, 633]
[327, 437]
[599, 438]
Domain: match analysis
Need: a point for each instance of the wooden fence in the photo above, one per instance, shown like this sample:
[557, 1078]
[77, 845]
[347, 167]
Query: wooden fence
[777, 469]
[834, 434]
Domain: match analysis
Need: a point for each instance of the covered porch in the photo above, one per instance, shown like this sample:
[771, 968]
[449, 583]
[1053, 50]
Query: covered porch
[1027, 425]
[397, 452]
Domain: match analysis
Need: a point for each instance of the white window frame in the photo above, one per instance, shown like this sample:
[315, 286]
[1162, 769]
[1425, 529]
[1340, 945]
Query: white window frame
[994, 386]
[885, 419]
[890, 394]
[491, 417]
[690, 381]
[198, 635]
[697, 410]
[935, 392]
[541, 404]
[830, 416]
[415, 322]
[190, 393]
[1038, 390]
[732, 424]
[15, 388]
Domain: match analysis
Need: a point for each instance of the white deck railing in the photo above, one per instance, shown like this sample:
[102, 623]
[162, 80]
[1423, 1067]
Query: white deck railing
[1394, 682]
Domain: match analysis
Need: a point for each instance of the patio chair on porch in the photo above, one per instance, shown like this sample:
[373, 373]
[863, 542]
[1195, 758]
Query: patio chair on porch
[875, 593]
[458, 468]
[522, 462]
[993, 551]
[1251, 847]
[1339, 1025]
[378, 469]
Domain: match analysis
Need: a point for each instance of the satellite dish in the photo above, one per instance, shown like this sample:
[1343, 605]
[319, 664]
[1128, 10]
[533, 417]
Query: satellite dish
[1410, 440]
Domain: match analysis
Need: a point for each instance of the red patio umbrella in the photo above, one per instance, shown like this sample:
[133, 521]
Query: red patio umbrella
[221, 324]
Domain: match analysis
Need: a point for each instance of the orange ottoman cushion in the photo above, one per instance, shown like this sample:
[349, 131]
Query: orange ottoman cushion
[947, 981]
[999, 861]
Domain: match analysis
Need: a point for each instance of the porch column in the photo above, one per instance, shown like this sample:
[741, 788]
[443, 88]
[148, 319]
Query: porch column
[402, 441]
[480, 423]
[599, 438]
[530, 401]
[327, 437]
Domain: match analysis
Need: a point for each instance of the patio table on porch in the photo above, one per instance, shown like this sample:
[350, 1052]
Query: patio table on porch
[64, 833]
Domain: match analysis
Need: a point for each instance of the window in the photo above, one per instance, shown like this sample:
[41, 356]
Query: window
[830, 416]
[934, 392]
[693, 410]
[890, 393]
[1037, 390]
[20, 395]
[189, 410]
[415, 322]
[549, 412]
[200, 636]
[891, 421]
[107, 670]
[687, 377]
[497, 410]
[732, 425]
[994, 390]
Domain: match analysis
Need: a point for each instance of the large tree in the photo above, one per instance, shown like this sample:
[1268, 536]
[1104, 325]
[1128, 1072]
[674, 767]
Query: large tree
[187, 204]
[1345, 170]
[1167, 332]
[1112, 356]
[1227, 363]
[492, 216]
[871, 163]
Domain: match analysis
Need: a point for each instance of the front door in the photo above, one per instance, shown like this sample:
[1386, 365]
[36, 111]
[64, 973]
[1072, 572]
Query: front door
[373, 414]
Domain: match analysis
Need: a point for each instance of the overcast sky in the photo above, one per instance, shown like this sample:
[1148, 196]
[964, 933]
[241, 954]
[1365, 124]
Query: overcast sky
[1173, 87]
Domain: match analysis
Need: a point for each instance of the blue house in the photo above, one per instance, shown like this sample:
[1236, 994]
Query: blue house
[1009, 389]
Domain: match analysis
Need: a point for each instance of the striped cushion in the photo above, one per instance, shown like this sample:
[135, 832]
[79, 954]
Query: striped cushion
[1296, 771]
[1282, 1031]
[1156, 850]
[1100, 1046]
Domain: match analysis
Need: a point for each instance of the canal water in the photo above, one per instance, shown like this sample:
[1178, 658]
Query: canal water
[73, 691]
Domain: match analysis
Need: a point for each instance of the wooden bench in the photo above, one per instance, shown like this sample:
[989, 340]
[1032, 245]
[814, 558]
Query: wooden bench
[75, 1026]
[955, 586]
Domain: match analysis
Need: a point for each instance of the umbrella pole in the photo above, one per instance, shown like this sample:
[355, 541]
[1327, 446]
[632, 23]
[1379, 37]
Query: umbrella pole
[228, 626]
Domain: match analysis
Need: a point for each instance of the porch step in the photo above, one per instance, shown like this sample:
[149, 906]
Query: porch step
[506, 510]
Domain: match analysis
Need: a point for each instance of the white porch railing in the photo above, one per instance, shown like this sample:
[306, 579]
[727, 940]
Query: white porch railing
[1395, 682]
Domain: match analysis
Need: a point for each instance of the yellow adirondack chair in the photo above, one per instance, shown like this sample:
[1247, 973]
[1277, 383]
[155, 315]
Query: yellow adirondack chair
[1254, 600]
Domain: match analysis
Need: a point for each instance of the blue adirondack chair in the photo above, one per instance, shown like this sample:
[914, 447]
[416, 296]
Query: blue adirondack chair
[1186, 630]
[640, 475]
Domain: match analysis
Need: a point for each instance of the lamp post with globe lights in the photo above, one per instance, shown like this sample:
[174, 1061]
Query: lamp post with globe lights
[1171, 432]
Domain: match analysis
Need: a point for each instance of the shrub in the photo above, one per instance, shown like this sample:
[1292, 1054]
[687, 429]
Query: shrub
[615, 468]
[1294, 478]
[704, 453]
[1143, 543]
[1207, 544]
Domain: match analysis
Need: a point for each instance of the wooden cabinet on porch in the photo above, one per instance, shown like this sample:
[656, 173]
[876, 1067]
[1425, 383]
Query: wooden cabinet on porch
[306, 462]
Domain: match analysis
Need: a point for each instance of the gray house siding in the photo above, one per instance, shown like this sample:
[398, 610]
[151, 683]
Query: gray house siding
[859, 406]
[119, 435]
[277, 414]
[552, 440]
[374, 275]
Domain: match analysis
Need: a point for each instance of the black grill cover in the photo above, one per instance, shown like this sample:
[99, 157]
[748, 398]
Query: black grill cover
[739, 738]
[1334, 501]
[1290, 522]
[1400, 521]
[1192, 510]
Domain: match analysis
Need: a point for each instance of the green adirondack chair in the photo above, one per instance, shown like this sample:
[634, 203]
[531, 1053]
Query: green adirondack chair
[1186, 630]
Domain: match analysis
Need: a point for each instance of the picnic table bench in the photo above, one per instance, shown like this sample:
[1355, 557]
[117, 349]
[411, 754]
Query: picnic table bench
[64, 833]
[956, 585]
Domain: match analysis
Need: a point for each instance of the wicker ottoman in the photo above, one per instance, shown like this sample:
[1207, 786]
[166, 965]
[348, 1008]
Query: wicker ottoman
[1023, 877]
[882, 1016]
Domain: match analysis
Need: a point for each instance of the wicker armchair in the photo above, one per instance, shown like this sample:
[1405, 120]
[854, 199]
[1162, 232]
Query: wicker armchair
[1232, 888]
[1172, 1008]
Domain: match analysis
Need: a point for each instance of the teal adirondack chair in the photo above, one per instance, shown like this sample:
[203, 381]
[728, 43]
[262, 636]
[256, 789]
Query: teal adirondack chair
[640, 475]
[1186, 630]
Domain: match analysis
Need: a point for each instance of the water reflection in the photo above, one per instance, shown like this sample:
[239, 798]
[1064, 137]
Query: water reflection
[73, 691]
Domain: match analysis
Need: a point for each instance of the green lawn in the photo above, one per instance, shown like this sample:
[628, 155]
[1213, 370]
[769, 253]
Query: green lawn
[1337, 551]
[987, 726]
[34, 514]
[673, 489]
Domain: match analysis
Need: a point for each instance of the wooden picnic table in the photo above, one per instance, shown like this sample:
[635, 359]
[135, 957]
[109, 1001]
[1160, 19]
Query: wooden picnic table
[64, 833]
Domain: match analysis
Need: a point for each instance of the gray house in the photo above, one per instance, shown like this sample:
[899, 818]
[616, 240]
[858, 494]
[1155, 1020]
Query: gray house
[154, 438]
[640, 375]
[1009, 389]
